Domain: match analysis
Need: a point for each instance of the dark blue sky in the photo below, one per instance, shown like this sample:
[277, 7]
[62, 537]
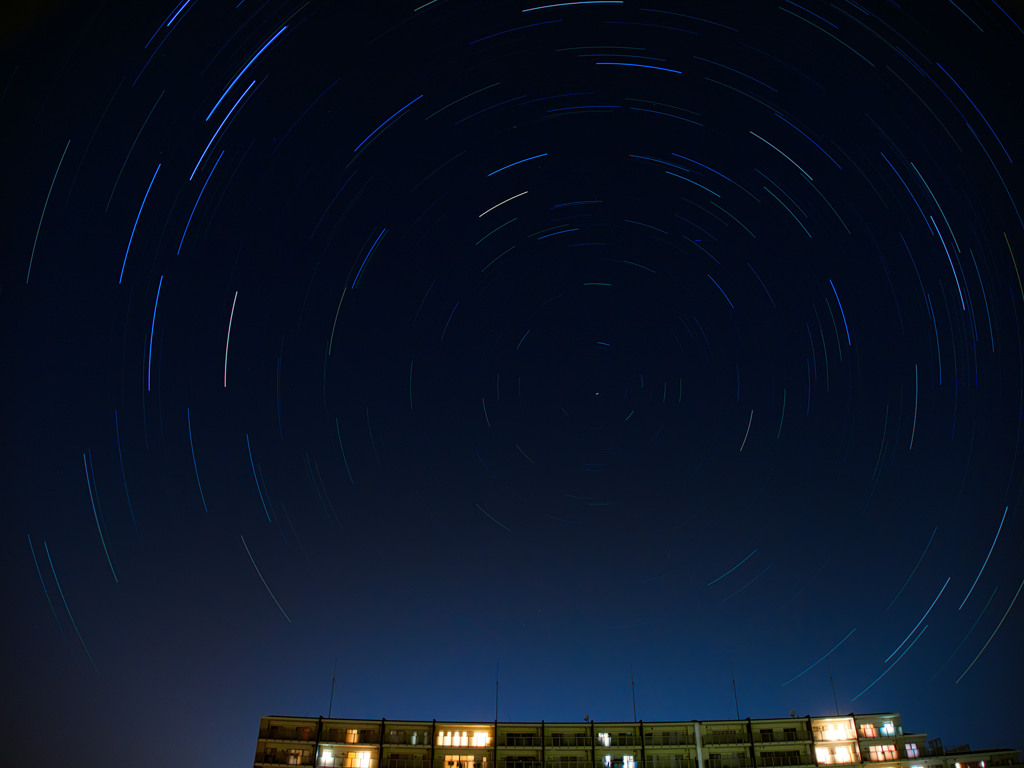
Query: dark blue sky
[679, 334]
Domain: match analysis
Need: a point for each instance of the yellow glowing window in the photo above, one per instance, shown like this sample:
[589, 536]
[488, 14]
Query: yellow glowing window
[837, 730]
[481, 739]
[868, 730]
[351, 736]
[357, 760]
[844, 755]
[823, 755]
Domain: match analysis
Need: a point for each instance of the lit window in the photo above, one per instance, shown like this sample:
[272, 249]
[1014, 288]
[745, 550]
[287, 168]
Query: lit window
[481, 739]
[823, 755]
[628, 762]
[607, 761]
[888, 730]
[913, 751]
[357, 760]
[836, 730]
[879, 752]
[868, 730]
[351, 736]
[844, 755]
[604, 740]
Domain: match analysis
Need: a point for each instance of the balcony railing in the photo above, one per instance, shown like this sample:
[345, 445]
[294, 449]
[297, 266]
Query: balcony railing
[776, 737]
[725, 737]
[403, 762]
[519, 741]
[569, 741]
[283, 760]
[729, 762]
[770, 759]
[288, 733]
[663, 761]
[670, 738]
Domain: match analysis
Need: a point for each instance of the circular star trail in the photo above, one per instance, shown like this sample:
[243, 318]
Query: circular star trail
[570, 336]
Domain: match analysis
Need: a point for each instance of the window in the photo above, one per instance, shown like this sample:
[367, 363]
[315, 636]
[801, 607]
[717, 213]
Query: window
[823, 754]
[869, 731]
[844, 755]
[628, 762]
[888, 730]
[454, 739]
[789, 734]
[297, 756]
[834, 730]
[879, 752]
[605, 740]
[912, 750]
[351, 736]
[481, 738]
[357, 760]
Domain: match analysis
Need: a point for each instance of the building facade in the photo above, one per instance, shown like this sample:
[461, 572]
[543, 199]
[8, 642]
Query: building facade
[877, 740]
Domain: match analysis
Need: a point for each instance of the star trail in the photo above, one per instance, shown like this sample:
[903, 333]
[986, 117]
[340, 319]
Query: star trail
[685, 335]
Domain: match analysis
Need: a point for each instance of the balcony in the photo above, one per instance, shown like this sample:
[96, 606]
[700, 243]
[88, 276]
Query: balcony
[671, 761]
[782, 737]
[725, 737]
[728, 762]
[669, 738]
[283, 758]
[519, 740]
[410, 761]
[776, 759]
[568, 740]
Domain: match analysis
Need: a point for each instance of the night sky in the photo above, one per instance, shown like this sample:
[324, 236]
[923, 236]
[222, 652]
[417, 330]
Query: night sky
[685, 335]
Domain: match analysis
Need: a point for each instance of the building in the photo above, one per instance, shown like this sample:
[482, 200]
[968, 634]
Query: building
[789, 742]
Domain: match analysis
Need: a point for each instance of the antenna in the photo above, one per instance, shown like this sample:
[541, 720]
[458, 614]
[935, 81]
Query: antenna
[633, 686]
[734, 696]
[496, 693]
[331, 702]
[834, 699]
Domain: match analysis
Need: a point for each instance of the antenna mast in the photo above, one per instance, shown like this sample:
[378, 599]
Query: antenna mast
[734, 696]
[331, 702]
[496, 668]
[633, 686]
[834, 699]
